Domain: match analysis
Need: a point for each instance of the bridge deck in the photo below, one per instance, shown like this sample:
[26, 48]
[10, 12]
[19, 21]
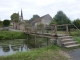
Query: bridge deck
[47, 35]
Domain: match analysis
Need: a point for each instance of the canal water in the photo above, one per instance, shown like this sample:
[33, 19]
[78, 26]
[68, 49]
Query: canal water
[9, 47]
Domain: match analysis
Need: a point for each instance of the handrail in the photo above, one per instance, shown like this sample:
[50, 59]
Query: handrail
[52, 27]
[75, 26]
[78, 30]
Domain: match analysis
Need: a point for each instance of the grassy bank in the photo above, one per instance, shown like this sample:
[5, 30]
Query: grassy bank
[48, 53]
[77, 38]
[76, 35]
[5, 35]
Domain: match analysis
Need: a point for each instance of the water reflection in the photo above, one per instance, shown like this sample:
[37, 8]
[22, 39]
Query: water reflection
[11, 49]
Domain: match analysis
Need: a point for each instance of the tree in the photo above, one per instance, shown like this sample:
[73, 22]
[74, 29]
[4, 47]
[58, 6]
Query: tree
[77, 23]
[15, 17]
[34, 17]
[1, 23]
[61, 18]
[6, 22]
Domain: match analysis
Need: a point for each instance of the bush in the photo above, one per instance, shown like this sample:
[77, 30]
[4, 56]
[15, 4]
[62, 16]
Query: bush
[6, 22]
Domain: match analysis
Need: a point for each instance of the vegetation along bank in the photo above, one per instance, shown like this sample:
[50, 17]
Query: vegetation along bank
[48, 53]
[8, 35]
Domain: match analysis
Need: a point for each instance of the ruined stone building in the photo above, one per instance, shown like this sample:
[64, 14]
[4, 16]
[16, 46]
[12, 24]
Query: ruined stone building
[20, 25]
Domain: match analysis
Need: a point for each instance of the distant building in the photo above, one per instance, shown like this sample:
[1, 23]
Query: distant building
[20, 25]
[21, 16]
[46, 20]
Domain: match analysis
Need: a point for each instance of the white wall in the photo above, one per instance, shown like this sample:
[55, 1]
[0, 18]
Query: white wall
[22, 27]
[46, 20]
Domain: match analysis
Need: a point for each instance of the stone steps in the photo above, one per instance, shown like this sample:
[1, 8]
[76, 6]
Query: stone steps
[65, 37]
[68, 42]
[74, 45]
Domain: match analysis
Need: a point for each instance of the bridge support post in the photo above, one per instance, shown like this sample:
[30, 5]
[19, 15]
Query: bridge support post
[28, 38]
[35, 41]
[35, 37]
[47, 41]
[42, 30]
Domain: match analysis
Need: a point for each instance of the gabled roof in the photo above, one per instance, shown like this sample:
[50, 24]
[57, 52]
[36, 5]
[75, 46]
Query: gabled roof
[39, 19]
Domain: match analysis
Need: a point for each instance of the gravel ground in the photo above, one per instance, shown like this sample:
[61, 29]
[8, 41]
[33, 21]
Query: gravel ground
[75, 54]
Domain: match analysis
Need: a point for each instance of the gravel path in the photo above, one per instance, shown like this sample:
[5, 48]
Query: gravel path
[75, 54]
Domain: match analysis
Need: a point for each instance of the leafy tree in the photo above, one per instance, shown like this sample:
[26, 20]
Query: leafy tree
[1, 23]
[77, 23]
[6, 22]
[61, 18]
[34, 17]
[15, 17]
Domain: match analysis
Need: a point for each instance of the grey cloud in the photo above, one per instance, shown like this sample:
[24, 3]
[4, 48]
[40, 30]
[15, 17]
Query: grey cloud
[41, 7]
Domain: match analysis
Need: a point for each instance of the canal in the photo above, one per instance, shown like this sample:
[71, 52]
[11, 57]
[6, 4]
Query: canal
[8, 47]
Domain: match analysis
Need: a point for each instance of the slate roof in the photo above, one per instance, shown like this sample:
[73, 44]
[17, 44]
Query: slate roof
[39, 19]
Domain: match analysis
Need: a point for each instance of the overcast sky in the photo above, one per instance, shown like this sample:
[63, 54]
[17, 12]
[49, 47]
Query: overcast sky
[41, 7]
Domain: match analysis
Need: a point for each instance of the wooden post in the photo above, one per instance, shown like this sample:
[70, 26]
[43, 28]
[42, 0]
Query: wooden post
[42, 30]
[30, 30]
[47, 42]
[51, 30]
[67, 29]
[35, 30]
[55, 29]
[35, 37]
[27, 30]
[35, 40]
[28, 38]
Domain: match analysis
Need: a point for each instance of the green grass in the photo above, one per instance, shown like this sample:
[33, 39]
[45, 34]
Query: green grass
[61, 32]
[76, 35]
[77, 38]
[48, 53]
[5, 35]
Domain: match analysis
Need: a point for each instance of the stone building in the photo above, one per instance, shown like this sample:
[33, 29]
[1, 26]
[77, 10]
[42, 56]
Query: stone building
[46, 20]
[20, 25]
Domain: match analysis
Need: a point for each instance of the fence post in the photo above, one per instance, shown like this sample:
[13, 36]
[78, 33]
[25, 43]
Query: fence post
[52, 31]
[55, 29]
[67, 32]
[47, 41]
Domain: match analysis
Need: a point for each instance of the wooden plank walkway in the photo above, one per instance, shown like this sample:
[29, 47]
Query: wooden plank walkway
[47, 35]
[35, 31]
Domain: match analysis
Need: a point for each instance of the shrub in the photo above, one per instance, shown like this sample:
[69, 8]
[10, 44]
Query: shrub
[6, 22]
